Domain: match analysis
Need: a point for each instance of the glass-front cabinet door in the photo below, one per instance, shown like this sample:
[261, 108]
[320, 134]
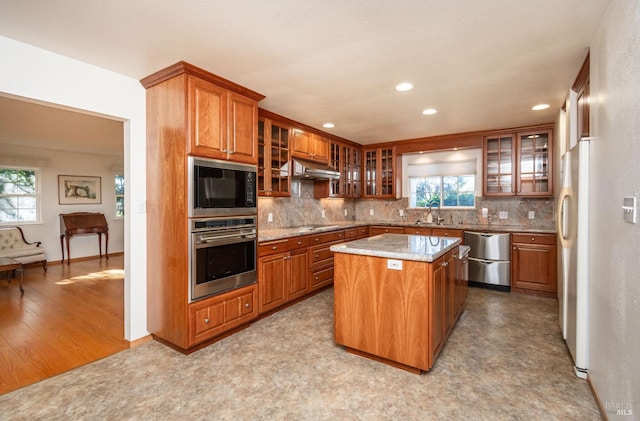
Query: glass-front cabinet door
[379, 172]
[273, 159]
[534, 160]
[499, 165]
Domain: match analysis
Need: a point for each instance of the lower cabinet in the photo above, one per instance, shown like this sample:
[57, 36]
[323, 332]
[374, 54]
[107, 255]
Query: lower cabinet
[377, 230]
[446, 301]
[282, 275]
[213, 316]
[534, 263]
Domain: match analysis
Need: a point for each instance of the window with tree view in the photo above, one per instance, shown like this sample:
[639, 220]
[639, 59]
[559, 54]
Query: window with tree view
[18, 195]
[451, 191]
[119, 179]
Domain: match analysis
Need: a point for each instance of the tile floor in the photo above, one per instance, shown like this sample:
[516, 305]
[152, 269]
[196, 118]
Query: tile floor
[505, 359]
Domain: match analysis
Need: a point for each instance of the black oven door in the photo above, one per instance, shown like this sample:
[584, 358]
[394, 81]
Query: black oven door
[220, 266]
[223, 188]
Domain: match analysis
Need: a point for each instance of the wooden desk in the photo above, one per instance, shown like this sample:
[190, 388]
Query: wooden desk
[79, 223]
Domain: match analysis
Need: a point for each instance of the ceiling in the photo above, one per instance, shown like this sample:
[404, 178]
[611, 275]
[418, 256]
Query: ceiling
[481, 64]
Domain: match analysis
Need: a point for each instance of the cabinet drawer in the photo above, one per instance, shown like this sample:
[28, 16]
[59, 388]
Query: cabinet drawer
[298, 242]
[218, 314]
[546, 239]
[385, 230]
[321, 277]
[326, 237]
[321, 254]
[445, 232]
[417, 231]
[272, 247]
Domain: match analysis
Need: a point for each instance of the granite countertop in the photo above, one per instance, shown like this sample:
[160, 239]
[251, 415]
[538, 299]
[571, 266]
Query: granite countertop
[270, 234]
[400, 246]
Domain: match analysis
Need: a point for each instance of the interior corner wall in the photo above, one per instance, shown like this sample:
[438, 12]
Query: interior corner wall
[614, 267]
[39, 75]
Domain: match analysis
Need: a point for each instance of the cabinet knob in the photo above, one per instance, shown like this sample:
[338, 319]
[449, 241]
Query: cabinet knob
[274, 248]
[247, 305]
[317, 278]
[299, 242]
[206, 321]
[514, 248]
[317, 239]
[533, 238]
[317, 255]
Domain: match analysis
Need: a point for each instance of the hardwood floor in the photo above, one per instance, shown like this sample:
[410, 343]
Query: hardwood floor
[69, 316]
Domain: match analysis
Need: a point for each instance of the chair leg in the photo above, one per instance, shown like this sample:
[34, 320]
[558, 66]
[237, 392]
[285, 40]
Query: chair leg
[44, 265]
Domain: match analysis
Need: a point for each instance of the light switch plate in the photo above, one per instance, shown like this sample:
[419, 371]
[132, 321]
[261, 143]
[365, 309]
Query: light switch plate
[324, 214]
[371, 212]
[630, 209]
[532, 215]
[394, 264]
[401, 211]
[270, 217]
[503, 215]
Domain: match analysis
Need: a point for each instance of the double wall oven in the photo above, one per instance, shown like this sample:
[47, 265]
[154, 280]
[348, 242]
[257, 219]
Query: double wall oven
[223, 215]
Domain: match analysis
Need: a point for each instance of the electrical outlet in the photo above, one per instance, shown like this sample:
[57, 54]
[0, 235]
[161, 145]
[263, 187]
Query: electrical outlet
[503, 214]
[371, 212]
[270, 217]
[346, 212]
[324, 214]
[401, 212]
[485, 212]
[532, 215]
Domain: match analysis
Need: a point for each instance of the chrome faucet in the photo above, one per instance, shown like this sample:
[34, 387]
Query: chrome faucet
[439, 219]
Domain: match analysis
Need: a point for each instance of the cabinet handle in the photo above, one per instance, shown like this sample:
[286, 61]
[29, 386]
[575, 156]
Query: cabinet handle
[224, 150]
[445, 263]
[206, 321]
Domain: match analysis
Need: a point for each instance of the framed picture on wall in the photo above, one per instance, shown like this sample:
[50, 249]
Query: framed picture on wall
[79, 190]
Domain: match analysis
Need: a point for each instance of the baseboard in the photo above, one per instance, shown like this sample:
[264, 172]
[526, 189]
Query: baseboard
[140, 341]
[77, 259]
[603, 413]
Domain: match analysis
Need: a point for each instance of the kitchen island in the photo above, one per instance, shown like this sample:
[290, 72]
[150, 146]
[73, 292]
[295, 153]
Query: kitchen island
[397, 297]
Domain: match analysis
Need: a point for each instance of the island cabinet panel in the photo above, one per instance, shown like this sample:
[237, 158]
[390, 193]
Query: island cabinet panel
[273, 276]
[382, 312]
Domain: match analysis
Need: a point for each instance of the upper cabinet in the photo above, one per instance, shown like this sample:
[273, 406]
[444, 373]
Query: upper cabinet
[534, 164]
[582, 87]
[309, 146]
[518, 164]
[379, 172]
[348, 160]
[273, 158]
[222, 116]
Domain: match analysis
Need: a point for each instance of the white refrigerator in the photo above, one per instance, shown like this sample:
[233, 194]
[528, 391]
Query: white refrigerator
[574, 239]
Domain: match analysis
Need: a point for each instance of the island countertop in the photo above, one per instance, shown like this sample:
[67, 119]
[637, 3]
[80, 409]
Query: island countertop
[400, 246]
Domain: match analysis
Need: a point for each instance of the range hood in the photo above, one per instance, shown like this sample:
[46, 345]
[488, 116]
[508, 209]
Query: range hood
[309, 170]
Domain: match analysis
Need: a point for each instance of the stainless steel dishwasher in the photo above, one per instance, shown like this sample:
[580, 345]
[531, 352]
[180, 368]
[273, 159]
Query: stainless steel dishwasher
[489, 259]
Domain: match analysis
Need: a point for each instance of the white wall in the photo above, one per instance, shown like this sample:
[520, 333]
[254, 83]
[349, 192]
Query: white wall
[32, 73]
[614, 343]
[52, 163]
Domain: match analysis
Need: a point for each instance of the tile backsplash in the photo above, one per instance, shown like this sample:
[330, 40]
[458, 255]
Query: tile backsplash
[301, 208]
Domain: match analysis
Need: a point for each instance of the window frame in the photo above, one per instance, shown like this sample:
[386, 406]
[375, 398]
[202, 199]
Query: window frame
[441, 205]
[37, 196]
[115, 191]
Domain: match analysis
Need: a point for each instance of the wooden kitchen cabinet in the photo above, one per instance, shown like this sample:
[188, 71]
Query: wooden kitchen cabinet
[379, 172]
[402, 317]
[447, 232]
[309, 146]
[534, 263]
[211, 317]
[282, 272]
[274, 177]
[189, 112]
[519, 163]
[348, 160]
[379, 229]
[223, 123]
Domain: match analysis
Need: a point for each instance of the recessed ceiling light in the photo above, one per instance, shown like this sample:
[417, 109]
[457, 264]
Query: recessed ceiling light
[429, 111]
[404, 87]
[328, 125]
[540, 107]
